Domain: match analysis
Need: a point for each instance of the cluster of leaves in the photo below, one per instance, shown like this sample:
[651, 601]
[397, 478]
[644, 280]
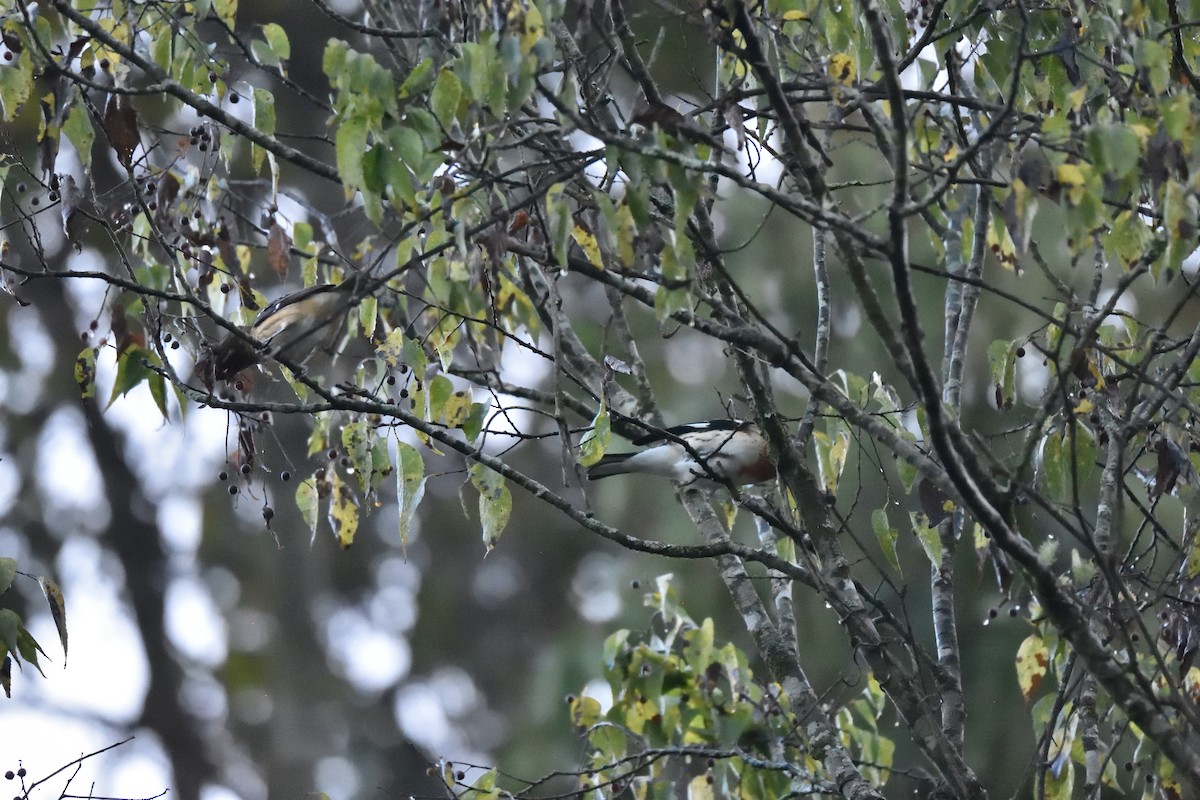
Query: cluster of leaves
[687, 707]
[19, 645]
[1061, 140]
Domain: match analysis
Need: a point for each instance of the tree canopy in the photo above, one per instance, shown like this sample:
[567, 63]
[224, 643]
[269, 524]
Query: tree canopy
[940, 253]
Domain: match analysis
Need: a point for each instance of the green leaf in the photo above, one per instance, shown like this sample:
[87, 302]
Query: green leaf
[1052, 468]
[1002, 359]
[158, 390]
[440, 390]
[1115, 149]
[356, 441]
[264, 120]
[595, 440]
[131, 371]
[78, 129]
[10, 624]
[350, 145]
[410, 486]
[419, 78]
[277, 38]
[495, 502]
[29, 648]
[558, 212]
[298, 388]
[8, 571]
[447, 92]
[928, 536]
[887, 536]
[307, 503]
[334, 59]
[16, 85]
[473, 425]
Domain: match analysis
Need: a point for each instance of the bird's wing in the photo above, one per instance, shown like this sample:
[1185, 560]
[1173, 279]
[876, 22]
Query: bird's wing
[691, 427]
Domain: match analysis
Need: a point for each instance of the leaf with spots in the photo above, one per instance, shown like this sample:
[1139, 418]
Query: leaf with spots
[495, 502]
[58, 610]
[85, 373]
[410, 486]
[1033, 660]
[343, 511]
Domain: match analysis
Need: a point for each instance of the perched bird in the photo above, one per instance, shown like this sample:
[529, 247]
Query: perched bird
[722, 451]
[290, 321]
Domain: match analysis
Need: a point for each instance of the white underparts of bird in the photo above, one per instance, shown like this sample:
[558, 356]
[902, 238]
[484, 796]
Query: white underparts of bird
[723, 451]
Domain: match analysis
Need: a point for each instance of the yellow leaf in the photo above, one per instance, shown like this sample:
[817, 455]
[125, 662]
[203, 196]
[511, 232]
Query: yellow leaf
[343, 511]
[587, 242]
[841, 69]
[1033, 660]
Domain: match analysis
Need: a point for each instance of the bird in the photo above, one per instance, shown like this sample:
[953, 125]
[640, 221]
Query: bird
[707, 454]
[288, 321]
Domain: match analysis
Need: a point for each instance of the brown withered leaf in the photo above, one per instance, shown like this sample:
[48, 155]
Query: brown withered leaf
[47, 145]
[225, 247]
[121, 125]
[279, 247]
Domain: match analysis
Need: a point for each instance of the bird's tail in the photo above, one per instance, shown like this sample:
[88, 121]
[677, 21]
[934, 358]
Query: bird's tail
[609, 464]
[224, 361]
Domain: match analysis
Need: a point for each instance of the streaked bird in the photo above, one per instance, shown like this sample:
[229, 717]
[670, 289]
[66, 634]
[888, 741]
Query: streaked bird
[291, 321]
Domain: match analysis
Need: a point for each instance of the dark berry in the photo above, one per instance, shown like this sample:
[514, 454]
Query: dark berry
[245, 469]
[233, 490]
[223, 476]
[268, 513]
[285, 476]
[233, 98]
